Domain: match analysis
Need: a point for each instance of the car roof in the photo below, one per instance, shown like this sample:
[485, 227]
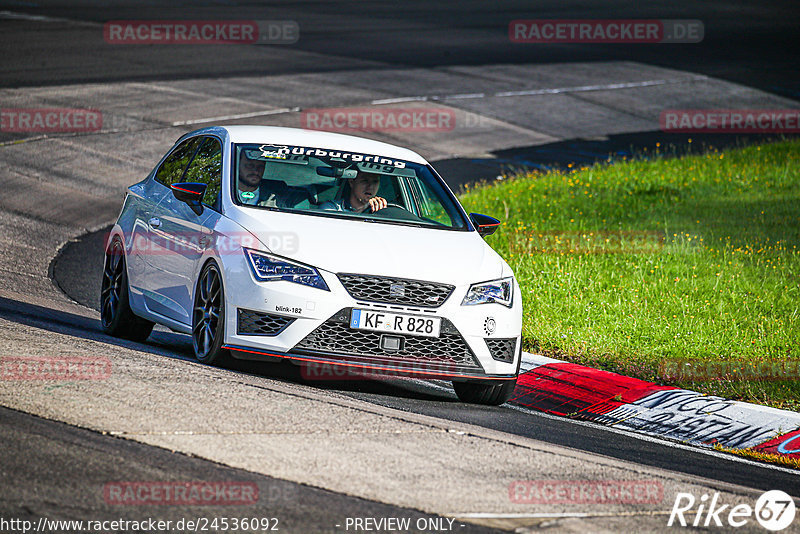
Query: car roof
[311, 138]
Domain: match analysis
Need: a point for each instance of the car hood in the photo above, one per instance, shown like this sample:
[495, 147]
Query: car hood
[357, 246]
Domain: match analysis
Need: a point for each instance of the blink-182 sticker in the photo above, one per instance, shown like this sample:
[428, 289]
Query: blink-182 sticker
[283, 152]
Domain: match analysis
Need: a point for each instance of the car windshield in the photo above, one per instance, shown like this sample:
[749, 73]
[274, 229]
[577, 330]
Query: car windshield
[341, 184]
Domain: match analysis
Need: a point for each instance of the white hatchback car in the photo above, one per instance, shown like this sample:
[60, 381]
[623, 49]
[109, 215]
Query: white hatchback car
[324, 249]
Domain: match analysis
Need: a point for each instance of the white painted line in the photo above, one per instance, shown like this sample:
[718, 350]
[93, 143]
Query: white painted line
[604, 87]
[63, 135]
[630, 433]
[151, 86]
[660, 441]
[14, 15]
[554, 515]
[237, 116]
[467, 95]
[399, 100]
[27, 139]
[534, 92]
[535, 360]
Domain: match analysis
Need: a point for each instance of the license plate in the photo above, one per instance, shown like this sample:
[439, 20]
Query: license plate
[396, 323]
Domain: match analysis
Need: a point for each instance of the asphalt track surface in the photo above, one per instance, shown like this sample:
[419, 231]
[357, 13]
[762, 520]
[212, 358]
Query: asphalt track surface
[748, 45]
[37, 452]
[82, 283]
[744, 42]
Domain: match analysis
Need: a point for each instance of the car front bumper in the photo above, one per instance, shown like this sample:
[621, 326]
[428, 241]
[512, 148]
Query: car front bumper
[268, 320]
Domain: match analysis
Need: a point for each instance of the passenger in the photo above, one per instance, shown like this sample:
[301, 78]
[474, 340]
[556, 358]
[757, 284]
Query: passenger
[254, 190]
[251, 171]
[359, 195]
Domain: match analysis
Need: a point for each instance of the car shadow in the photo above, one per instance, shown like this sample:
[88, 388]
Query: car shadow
[289, 372]
[179, 346]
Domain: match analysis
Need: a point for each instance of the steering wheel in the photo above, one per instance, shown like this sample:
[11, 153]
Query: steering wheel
[390, 206]
[395, 211]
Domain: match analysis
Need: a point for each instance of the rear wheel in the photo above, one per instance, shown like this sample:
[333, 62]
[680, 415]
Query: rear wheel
[208, 317]
[493, 394]
[116, 315]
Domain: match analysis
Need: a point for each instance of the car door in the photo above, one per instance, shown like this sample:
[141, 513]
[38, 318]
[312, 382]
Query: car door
[153, 245]
[186, 234]
[139, 205]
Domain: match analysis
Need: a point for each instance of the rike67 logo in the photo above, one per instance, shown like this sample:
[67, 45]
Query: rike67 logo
[774, 510]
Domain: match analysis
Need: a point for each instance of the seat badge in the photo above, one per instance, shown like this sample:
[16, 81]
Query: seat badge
[397, 290]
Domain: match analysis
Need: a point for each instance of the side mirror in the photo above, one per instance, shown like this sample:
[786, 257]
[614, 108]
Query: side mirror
[191, 193]
[485, 225]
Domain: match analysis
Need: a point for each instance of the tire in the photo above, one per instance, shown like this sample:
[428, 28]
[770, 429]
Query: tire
[208, 317]
[483, 393]
[116, 315]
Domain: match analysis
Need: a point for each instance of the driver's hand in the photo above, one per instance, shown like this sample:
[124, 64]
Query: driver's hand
[377, 203]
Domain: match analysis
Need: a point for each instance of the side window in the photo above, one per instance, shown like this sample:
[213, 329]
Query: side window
[429, 208]
[171, 170]
[206, 168]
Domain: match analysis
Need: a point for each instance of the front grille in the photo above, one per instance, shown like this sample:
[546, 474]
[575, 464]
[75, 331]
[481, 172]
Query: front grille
[334, 338]
[251, 322]
[396, 290]
[502, 349]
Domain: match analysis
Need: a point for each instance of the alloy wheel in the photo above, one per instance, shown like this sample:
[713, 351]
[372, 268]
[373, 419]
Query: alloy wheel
[113, 278]
[207, 312]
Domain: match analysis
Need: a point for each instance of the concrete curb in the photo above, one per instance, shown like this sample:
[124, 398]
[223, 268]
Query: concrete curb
[578, 392]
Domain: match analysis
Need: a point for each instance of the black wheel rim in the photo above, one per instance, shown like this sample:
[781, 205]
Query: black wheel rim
[111, 289]
[206, 313]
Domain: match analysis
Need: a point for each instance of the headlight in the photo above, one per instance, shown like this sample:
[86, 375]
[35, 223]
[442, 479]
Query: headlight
[269, 268]
[499, 291]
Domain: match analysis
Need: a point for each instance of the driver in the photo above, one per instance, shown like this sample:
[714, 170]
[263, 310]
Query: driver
[359, 195]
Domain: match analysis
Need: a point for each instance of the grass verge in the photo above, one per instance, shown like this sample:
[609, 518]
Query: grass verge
[751, 454]
[656, 268]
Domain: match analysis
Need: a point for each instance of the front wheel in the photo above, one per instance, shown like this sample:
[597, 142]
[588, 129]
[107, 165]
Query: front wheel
[208, 317]
[116, 315]
[492, 394]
